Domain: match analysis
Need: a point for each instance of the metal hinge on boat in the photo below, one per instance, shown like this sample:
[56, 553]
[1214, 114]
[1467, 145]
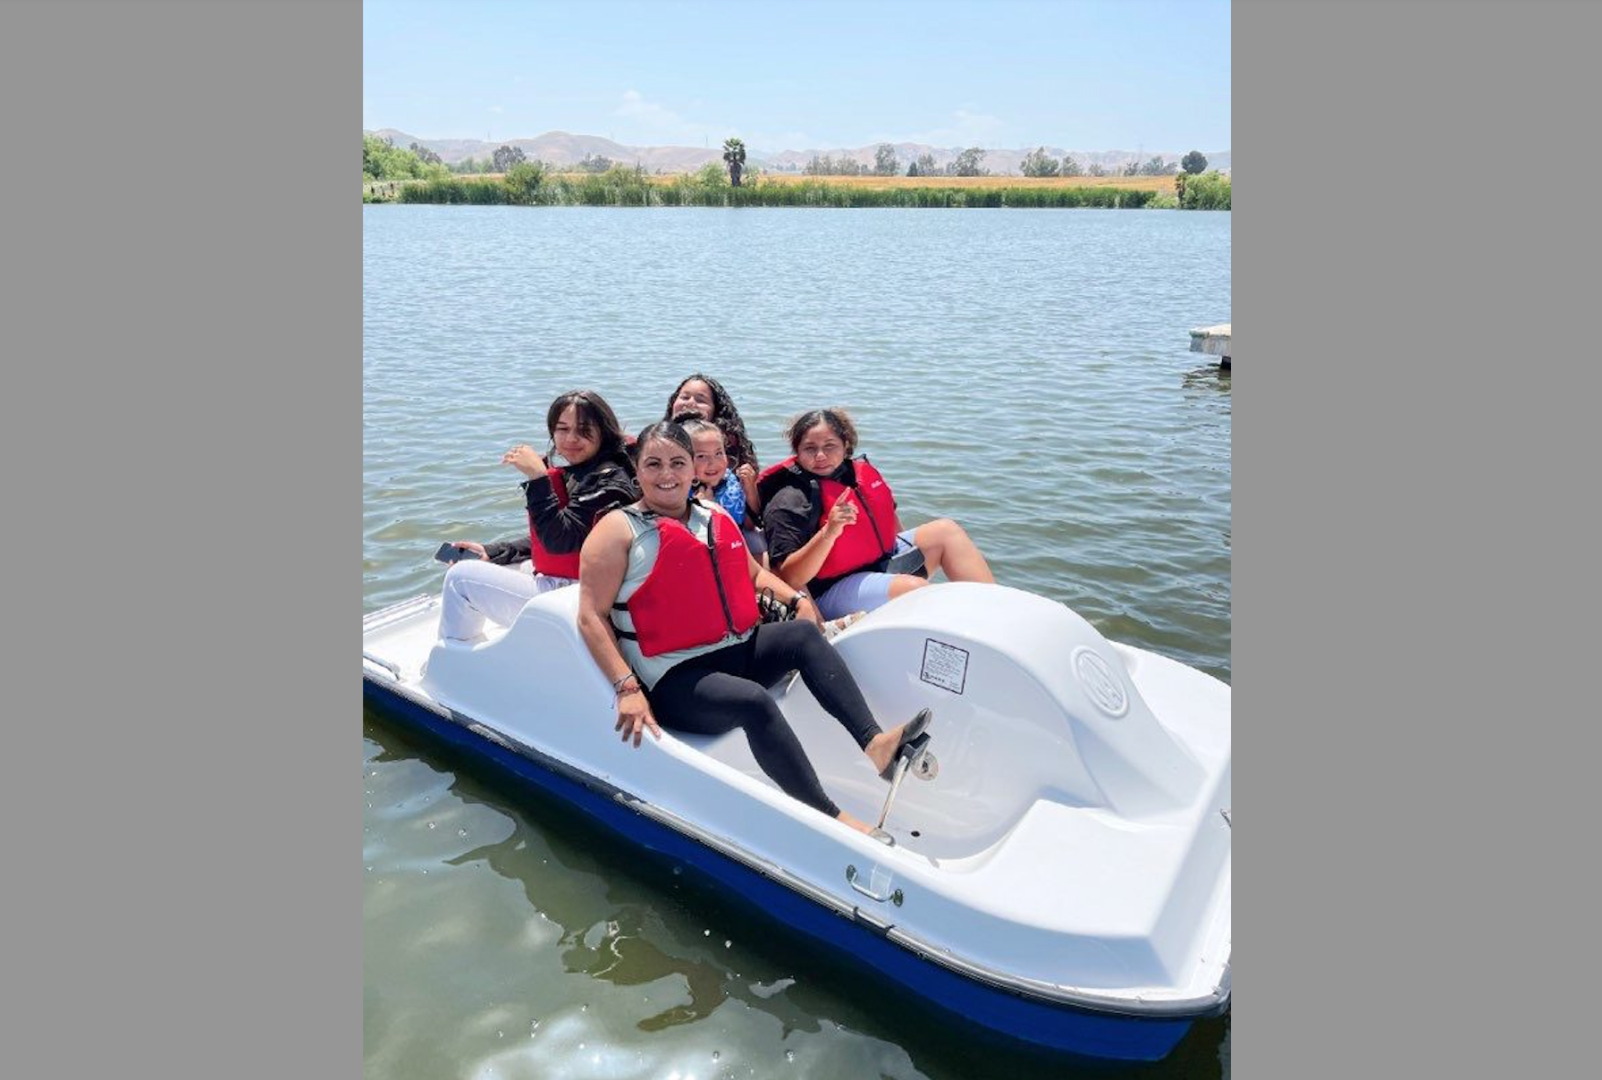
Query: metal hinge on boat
[871, 922]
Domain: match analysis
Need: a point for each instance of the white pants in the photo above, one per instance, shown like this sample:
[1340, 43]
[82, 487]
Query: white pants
[477, 590]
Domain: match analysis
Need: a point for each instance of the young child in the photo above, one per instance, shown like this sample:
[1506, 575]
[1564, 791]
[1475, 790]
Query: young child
[703, 396]
[716, 482]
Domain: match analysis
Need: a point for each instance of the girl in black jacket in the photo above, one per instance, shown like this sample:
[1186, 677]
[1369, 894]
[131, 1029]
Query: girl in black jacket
[597, 478]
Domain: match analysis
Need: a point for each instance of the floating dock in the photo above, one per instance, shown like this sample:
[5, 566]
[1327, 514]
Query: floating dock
[1212, 340]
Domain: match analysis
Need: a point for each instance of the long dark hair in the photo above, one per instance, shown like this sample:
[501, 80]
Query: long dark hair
[724, 415]
[594, 414]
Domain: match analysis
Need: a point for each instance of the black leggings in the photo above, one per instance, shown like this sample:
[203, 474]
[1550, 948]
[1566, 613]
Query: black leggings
[720, 691]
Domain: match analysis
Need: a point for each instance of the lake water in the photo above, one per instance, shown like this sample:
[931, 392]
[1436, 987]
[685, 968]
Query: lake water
[1024, 372]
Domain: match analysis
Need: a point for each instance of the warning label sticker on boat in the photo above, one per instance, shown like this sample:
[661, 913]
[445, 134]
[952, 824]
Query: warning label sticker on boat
[945, 666]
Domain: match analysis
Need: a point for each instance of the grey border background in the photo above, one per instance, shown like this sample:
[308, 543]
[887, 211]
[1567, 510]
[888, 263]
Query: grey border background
[1415, 535]
[182, 424]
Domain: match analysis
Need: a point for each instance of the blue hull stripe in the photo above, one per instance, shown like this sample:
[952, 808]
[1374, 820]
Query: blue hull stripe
[1057, 1027]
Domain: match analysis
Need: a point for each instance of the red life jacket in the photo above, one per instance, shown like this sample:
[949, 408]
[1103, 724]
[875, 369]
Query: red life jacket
[696, 594]
[870, 538]
[547, 562]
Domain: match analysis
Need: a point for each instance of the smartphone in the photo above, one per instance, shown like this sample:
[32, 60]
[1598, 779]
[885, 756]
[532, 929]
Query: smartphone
[449, 552]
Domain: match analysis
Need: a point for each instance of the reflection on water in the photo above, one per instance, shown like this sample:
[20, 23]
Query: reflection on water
[577, 958]
[1209, 377]
[1025, 373]
[627, 945]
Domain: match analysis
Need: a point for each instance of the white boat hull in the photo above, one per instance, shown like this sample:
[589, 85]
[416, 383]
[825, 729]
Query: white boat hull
[1064, 879]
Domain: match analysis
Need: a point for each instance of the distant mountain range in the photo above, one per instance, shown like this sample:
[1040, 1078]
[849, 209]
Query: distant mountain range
[562, 148]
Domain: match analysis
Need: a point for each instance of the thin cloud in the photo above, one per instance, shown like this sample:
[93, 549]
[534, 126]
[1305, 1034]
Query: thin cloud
[967, 128]
[654, 121]
[777, 142]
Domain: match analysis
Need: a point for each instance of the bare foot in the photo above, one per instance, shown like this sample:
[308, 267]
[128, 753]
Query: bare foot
[883, 747]
[860, 826]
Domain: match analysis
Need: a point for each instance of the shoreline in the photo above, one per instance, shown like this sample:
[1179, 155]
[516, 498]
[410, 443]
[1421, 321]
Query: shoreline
[629, 187]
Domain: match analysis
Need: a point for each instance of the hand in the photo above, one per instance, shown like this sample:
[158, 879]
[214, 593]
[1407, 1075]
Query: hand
[526, 460]
[634, 716]
[843, 513]
[745, 474]
[473, 546]
[806, 609]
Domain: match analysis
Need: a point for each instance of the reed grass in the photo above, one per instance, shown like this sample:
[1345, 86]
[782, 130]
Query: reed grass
[475, 191]
[626, 187]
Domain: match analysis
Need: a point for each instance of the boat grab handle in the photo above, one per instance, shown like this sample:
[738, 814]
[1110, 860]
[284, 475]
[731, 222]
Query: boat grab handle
[878, 887]
[392, 669]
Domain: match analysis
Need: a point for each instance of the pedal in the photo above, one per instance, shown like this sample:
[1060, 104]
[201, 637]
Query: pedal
[910, 759]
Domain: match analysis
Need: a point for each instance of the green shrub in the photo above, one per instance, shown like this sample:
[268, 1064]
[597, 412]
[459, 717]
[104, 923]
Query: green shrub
[712, 175]
[382, 160]
[1206, 191]
[523, 182]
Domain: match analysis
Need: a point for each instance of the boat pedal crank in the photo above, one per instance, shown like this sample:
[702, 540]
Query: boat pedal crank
[910, 760]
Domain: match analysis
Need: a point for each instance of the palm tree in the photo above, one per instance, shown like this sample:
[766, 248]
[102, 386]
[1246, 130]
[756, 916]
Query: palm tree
[734, 156]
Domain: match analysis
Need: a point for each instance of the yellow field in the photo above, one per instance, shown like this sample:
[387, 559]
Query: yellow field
[881, 183]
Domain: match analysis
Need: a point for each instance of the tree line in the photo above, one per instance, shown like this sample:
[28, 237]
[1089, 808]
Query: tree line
[530, 182]
[383, 160]
[970, 162]
[1039, 163]
[887, 163]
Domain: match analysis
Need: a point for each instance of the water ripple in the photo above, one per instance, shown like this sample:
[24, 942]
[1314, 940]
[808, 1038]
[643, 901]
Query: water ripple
[1024, 372]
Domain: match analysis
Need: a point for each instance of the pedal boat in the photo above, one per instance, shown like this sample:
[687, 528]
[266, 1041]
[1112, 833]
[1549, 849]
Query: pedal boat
[1056, 870]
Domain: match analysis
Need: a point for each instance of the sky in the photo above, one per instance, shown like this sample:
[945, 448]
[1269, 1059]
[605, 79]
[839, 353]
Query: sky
[813, 74]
